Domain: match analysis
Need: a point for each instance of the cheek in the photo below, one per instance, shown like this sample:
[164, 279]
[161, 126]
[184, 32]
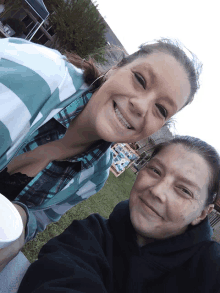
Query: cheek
[138, 219]
[151, 125]
[144, 180]
[100, 97]
[133, 197]
[176, 211]
[93, 109]
[134, 202]
[183, 212]
[118, 85]
[139, 188]
[193, 212]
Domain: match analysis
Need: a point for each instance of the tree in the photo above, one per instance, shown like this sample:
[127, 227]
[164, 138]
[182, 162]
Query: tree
[78, 27]
[10, 5]
[51, 5]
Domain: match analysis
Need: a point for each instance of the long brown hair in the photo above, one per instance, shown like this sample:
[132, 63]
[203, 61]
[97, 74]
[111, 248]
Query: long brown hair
[91, 70]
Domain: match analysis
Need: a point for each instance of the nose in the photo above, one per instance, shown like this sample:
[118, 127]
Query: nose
[160, 190]
[136, 109]
[139, 105]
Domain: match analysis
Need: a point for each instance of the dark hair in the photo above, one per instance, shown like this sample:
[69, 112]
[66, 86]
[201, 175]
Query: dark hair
[91, 71]
[172, 47]
[208, 153]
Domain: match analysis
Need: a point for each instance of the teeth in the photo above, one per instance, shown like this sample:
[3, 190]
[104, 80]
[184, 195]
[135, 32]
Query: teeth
[121, 118]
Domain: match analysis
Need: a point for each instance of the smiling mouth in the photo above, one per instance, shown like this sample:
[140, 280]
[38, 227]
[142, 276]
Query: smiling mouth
[121, 118]
[151, 208]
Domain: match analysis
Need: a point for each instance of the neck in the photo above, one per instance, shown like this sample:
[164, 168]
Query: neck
[78, 138]
[81, 132]
[141, 241]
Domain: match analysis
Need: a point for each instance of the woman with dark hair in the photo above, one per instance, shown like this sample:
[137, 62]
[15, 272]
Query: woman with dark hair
[157, 241]
[60, 116]
[208, 153]
[190, 177]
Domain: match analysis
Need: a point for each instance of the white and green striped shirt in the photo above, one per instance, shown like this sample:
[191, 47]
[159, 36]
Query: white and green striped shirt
[40, 89]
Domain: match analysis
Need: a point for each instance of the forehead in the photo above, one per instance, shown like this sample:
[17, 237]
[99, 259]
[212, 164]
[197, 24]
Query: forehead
[155, 59]
[182, 163]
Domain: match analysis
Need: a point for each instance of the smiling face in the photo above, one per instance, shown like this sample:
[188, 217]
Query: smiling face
[137, 99]
[169, 193]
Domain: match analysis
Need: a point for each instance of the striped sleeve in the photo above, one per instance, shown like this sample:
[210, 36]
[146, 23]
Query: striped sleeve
[29, 74]
[36, 82]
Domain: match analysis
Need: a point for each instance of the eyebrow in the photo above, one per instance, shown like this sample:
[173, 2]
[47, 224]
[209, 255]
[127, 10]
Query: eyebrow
[153, 78]
[183, 179]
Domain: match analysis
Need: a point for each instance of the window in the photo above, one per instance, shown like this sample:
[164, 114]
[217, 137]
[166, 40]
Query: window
[27, 20]
[39, 34]
[29, 28]
[43, 39]
[50, 31]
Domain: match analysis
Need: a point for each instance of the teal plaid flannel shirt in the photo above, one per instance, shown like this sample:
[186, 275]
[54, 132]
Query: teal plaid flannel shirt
[40, 93]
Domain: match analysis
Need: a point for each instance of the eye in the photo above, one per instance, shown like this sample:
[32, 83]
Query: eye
[155, 170]
[162, 110]
[186, 191]
[140, 79]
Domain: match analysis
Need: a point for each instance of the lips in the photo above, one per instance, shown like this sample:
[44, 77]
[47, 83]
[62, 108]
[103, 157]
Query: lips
[150, 207]
[121, 117]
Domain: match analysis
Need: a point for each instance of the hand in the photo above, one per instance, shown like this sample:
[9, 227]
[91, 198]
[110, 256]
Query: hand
[9, 252]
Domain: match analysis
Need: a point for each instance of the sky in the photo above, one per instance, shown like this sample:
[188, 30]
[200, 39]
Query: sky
[196, 24]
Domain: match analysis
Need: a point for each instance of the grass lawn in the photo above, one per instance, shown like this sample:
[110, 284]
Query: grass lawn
[103, 202]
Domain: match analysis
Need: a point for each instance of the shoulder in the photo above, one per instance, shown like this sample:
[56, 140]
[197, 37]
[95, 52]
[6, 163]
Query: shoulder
[94, 226]
[30, 59]
[41, 62]
[208, 265]
[212, 249]
[24, 51]
[207, 255]
[28, 46]
[211, 255]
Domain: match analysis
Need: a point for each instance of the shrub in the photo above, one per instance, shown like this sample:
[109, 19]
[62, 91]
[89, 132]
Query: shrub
[78, 27]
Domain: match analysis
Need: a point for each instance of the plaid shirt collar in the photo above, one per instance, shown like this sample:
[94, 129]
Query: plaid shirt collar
[66, 115]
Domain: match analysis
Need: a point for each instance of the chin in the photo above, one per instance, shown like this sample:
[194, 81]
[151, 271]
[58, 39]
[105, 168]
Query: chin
[108, 136]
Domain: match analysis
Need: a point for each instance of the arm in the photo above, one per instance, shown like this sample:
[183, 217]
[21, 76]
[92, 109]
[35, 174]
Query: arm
[9, 252]
[75, 261]
[39, 219]
[30, 75]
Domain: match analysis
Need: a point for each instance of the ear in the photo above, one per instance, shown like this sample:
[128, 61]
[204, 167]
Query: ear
[203, 215]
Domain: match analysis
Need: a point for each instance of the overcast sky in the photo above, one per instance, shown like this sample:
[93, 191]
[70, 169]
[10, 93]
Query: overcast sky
[196, 23]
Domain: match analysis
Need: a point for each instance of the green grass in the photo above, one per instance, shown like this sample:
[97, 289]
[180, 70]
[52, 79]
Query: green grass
[103, 202]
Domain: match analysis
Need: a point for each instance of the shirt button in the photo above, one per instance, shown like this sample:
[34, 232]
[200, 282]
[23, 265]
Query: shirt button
[48, 137]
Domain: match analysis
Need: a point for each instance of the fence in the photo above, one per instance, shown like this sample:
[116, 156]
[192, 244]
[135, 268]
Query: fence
[214, 218]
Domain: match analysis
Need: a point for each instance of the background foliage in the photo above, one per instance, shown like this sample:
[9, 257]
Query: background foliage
[78, 27]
